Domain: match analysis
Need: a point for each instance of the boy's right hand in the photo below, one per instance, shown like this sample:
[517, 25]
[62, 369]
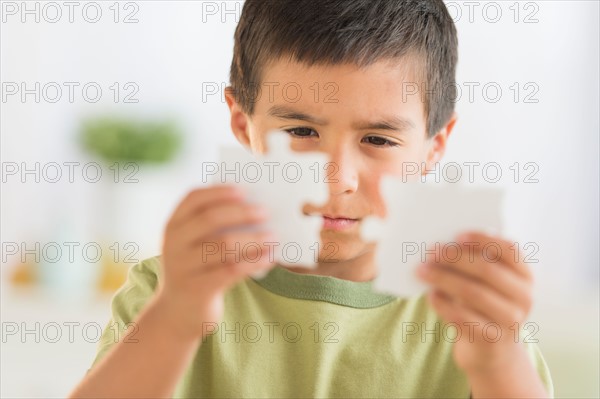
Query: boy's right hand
[200, 261]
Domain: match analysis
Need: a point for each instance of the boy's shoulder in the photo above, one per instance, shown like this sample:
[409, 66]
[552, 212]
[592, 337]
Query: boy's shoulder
[138, 287]
[148, 270]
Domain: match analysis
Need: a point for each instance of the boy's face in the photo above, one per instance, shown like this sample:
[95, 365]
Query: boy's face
[361, 118]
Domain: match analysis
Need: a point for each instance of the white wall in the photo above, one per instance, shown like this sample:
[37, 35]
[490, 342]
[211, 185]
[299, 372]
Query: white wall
[177, 46]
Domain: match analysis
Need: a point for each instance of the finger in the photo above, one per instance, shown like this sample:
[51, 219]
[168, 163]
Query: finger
[496, 249]
[233, 248]
[218, 275]
[227, 275]
[198, 200]
[451, 311]
[505, 282]
[473, 295]
[216, 220]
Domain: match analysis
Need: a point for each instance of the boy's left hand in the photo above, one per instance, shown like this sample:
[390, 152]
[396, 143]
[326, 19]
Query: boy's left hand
[486, 282]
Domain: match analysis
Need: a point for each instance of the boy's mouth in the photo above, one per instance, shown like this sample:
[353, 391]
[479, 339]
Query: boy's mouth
[332, 220]
[338, 222]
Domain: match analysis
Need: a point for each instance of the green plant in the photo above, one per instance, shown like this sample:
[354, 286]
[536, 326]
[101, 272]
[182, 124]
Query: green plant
[119, 139]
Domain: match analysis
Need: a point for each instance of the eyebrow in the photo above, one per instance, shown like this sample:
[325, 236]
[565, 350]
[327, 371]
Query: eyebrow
[392, 123]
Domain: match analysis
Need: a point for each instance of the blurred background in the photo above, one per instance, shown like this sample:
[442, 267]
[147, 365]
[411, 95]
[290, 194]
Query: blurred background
[109, 109]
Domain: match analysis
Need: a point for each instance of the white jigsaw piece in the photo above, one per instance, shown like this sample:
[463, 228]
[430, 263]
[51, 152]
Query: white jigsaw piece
[420, 214]
[282, 181]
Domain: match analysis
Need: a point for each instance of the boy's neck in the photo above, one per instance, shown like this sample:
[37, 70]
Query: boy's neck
[361, 268]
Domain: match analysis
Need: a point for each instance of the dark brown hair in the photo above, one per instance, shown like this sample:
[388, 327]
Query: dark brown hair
[329, 32]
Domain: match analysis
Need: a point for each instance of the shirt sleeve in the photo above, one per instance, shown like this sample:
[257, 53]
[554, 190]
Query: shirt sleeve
[535, 355]
[127, 302]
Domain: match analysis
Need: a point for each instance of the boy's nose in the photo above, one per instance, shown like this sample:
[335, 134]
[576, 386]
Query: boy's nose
[341, 174]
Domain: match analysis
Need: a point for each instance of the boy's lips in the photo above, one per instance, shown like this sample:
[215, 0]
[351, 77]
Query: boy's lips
[338, 222]
[334, 221]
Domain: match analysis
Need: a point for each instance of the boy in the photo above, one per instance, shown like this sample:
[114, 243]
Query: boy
[192, 324]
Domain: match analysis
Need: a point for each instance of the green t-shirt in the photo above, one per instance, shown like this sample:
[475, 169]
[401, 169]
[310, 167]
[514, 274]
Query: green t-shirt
[302, 335]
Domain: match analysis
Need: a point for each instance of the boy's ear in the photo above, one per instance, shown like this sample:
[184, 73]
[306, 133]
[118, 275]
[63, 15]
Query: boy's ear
[239, 120]
[437, 146]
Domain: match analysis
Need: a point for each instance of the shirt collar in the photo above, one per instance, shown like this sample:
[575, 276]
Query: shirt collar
[356, 294]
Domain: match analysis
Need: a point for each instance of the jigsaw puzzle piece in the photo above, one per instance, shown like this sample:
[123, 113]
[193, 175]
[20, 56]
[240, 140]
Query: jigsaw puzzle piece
[422, 214]
[282, 181]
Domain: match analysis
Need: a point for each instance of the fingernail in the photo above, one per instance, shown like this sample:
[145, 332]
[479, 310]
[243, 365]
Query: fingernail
[463, 237]
[269, 237]
[424, 269]
[259, 212]
[238, 191]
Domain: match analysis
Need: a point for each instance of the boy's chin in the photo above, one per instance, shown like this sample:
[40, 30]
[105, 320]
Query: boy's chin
[343, 250]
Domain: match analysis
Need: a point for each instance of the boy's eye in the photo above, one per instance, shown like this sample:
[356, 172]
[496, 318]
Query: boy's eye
[301, 132]
[305, 132]
[380, 141]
